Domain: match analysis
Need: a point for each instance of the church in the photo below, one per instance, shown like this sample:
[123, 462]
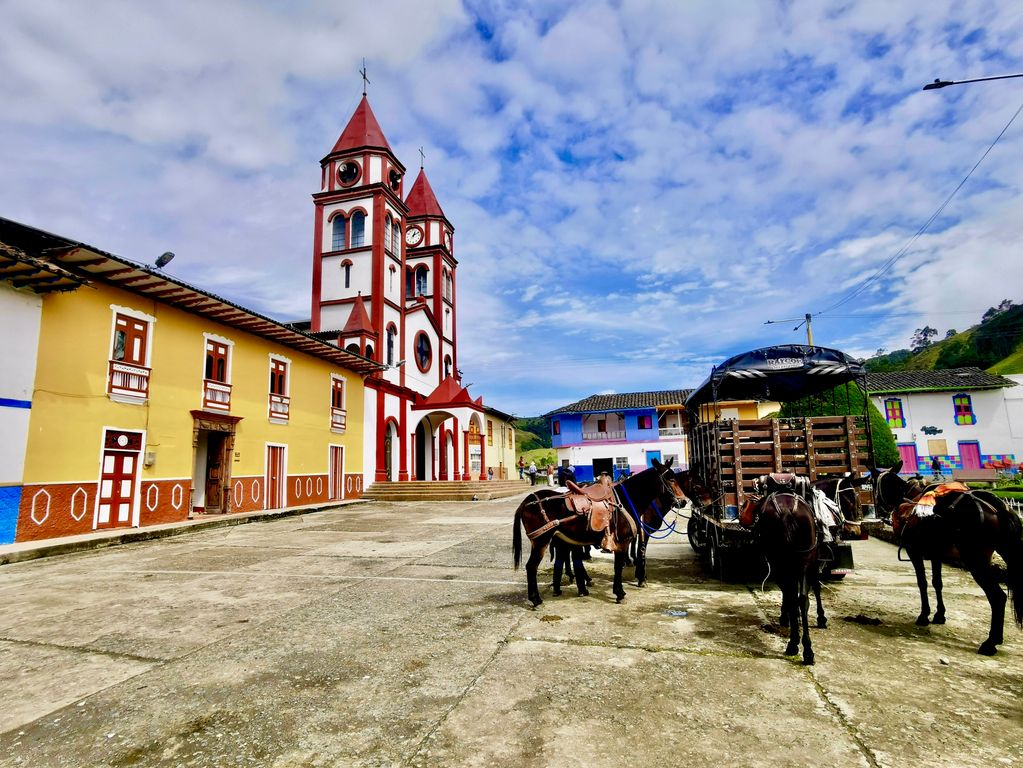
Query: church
[135, 398]
[384, 280]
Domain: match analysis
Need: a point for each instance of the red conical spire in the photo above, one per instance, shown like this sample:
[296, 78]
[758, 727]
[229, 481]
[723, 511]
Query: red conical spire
[358, 322]
[362, 130]
[421, 201]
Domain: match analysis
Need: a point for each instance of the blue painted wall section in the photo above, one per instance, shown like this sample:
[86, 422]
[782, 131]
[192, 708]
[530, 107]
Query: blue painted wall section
[10, 500]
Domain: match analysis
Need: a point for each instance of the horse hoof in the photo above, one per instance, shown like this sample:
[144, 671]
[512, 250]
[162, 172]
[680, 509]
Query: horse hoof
[584, 593]
[938, 619]
[922, 621]
[640, 583]
[792, 649]
[536, 603]
[987, 648]
[620, 599]
[589, 582]
[557, 593]
[808, 660]
[822, 623]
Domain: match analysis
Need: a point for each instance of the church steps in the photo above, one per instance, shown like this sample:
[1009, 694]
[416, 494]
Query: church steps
[482, 490]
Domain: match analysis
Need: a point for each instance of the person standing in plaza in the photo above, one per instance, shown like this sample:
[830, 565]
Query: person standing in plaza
[936, 469]
[522, 467]
[532, 473]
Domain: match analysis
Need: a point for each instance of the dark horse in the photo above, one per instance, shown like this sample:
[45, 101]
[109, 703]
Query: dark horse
[545, 514]
[967, 526]
[785, 528]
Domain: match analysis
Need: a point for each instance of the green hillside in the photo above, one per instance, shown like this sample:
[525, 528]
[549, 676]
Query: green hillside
[995, 345]
[532, 433]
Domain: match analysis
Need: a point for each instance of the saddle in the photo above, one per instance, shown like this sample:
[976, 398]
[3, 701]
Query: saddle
[597, 501]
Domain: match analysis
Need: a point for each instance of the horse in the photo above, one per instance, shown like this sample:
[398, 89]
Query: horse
[843, 490]
[784, 526]
[964, 525]
[545, 514]
[651, 520]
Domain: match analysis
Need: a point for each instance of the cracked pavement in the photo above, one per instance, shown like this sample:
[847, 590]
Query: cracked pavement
[398, 634]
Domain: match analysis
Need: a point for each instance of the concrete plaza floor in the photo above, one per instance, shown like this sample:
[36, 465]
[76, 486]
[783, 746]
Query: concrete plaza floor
[398, 634]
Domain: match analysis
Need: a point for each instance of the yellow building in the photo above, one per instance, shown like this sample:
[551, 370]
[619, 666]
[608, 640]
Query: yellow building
[154, 401]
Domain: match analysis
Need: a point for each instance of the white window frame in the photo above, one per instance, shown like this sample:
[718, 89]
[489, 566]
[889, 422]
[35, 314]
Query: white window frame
[150, 320]
[287, 387]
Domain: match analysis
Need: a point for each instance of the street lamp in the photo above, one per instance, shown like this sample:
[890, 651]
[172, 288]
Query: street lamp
[943, 83]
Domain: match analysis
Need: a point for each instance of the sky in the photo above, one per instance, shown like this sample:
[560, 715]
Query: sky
[636, 186]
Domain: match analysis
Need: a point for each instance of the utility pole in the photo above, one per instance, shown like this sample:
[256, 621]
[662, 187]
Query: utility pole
[809, 329]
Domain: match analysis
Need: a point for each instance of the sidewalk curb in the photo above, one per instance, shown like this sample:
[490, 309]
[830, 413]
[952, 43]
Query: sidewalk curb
[25, 551]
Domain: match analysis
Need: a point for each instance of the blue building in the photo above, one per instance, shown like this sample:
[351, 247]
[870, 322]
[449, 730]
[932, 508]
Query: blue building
[615, 433]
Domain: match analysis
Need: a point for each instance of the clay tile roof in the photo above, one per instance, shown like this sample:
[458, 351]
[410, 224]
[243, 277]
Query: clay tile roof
[448, 393]
[362, 130]
[625, 401]
[358, 321]
[935, 381]
[421, 201]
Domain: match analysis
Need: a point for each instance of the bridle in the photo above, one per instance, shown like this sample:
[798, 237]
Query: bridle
[677, 502]
[771, 498]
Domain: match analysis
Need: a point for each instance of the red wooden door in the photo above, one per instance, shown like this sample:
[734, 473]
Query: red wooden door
[336, 479]
[116, 489]
[970, 455]
[907, 451]
[274, 477]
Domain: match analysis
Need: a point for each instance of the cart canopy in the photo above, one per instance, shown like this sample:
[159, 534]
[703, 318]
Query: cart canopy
[783, 373]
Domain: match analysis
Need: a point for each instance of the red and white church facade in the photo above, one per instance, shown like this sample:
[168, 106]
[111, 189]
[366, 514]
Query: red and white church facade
[384, 286]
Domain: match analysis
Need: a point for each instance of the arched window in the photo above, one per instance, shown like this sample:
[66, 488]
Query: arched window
[346, 268]
[387, 232]
[444, 283]
[447, 321]
[409, 284]
[391, 333]
[422, 276]
[353, 348]
[337, 234]
[390, 287]
[447, 366]
[369, 351]
[396, 237]
[358, 229]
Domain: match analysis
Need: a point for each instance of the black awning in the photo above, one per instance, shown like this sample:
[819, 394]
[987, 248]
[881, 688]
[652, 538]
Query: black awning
[783, 373]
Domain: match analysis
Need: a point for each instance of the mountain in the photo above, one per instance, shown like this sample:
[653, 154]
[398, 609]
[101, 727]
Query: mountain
[996, 345]
[532, 432]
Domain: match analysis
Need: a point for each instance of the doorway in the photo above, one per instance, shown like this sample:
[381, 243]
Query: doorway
[907, 452]
[214, 474]
[276, 469]
[650, 456]
[969, 452]
[603, 465]
[336, 473]
[420, 452]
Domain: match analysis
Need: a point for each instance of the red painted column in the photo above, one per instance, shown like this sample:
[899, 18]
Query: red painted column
[381, 470]
[317, 268]
[454, 450]
[483, 458]
[467, 467]
[403, 438]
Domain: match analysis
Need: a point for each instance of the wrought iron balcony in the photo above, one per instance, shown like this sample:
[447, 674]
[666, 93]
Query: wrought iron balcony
[598, 436]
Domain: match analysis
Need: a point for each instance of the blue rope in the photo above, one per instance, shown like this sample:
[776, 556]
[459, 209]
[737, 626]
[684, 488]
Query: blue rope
[639, 520]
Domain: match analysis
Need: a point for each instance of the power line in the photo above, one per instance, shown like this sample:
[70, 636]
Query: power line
[892, 260]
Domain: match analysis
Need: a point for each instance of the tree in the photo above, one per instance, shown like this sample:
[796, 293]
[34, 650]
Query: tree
[922, 338]
[881, 351]
[993, 312]
[950, 333]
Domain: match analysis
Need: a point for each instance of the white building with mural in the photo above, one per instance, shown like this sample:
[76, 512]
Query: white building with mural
[962, 416]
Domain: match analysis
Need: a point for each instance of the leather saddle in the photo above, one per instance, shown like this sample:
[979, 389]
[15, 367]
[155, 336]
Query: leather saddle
[596, 500]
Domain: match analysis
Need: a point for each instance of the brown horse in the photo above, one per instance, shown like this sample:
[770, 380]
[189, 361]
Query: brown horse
[785, 528]
[968, 526]
[545, 514]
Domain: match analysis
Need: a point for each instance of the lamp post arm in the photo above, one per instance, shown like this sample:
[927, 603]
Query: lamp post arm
[943, 83]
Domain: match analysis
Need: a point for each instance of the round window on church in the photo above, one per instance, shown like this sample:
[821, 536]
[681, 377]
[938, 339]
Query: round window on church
[424, 352]
[348, 173]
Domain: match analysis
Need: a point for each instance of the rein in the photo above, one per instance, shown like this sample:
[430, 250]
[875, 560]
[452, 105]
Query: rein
[648, 529]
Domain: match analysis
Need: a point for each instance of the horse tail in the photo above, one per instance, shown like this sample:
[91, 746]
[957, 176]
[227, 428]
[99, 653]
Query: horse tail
[517, 537]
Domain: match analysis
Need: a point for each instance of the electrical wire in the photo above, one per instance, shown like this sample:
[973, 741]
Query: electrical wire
[892, 260]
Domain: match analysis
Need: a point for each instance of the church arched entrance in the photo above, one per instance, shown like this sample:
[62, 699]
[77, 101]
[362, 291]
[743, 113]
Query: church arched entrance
[421, 452]
[391, 451]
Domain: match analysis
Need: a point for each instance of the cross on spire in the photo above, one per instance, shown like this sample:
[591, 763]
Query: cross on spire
[422, 158]
[365, 80]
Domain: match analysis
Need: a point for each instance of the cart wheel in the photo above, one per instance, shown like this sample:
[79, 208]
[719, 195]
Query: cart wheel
[693, 532]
